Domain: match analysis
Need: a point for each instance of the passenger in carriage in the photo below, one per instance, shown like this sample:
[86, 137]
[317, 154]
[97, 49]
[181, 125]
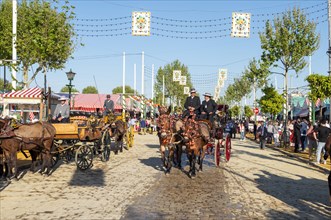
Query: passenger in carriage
[61, 113]
[108, 105]
[192, 104]
[208, 108]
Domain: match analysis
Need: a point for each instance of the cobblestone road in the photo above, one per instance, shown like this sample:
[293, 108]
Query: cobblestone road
[255, 184]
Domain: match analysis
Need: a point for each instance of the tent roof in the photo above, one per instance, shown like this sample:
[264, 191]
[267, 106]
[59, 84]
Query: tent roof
[90, 102]
[25, 93]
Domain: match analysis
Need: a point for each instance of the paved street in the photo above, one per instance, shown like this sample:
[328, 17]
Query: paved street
[260, 184]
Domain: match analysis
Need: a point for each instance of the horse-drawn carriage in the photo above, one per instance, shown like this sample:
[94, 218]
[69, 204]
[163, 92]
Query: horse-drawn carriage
[85, 138]
[196, 135]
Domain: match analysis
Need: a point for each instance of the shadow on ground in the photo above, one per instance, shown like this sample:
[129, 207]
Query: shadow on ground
[88, 177]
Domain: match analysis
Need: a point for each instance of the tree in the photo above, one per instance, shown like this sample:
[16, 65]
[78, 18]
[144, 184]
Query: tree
[46, 35]
[235, 110]
[320, 87]
[2, 86]
[173, 90]
[66, 89]
[248, 111]
[90, 90]
[286, 43]
[272, 102]
[119, 90]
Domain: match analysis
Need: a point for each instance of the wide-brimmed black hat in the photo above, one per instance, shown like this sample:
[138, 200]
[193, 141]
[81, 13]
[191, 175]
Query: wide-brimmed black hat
[193, 90]
[207, 94]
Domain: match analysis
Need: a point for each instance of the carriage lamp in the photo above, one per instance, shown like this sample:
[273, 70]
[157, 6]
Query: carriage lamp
[70, 76]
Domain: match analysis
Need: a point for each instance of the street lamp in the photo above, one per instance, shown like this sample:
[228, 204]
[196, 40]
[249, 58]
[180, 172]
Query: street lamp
[70, 76]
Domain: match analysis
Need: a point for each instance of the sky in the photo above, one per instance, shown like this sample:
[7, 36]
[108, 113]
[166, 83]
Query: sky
[99, 62]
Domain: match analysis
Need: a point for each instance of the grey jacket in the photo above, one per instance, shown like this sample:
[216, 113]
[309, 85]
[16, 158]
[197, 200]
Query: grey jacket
[63, 110]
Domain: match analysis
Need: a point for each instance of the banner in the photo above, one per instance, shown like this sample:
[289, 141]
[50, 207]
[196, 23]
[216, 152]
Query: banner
[220, 84]
[240, 24]
[222, 74]
[182, 80]
[176, 74]
[186, 90]
[141, 23]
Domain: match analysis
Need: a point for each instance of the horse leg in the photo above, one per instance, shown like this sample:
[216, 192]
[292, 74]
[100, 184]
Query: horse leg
[170, 159]
[194, 158]
[189, 156]
[163, 159]
[202, 156]
[34, 156]
[179, 150]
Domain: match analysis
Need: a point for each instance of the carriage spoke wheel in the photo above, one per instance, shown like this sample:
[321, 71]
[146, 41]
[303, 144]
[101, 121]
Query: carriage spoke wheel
[84, 157]
[105, 145]
[217, 153]
[228, 148]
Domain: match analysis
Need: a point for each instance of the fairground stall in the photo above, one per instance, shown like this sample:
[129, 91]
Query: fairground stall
[25, 104]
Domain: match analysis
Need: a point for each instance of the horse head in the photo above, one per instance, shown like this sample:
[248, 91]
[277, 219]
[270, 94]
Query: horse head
[164, 124]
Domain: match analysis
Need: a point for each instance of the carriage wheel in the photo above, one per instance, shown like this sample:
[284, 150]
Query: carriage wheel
[217, 153]
[84, 157]
[105, 142]
[227, 148]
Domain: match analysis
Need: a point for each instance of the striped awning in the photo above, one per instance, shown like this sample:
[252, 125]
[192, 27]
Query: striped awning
[25, 93]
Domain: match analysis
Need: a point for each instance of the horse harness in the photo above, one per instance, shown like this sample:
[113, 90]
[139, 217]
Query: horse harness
[7, 131]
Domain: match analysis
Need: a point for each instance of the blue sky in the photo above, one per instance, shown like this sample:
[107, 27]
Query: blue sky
[101, 59]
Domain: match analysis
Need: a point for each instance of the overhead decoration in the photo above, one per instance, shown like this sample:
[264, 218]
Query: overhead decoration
[141, 23]
[222, 74]
[186, 90]
[176, 75]
[240, 24]
[182, 80]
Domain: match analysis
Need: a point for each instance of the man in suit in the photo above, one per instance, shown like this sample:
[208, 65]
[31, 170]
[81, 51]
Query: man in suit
[108, 105]
[208, 108]
[192, 104]
[61, 113]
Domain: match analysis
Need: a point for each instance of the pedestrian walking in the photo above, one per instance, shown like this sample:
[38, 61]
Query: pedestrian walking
[303, 130]
[143, 126]
[322, 134]
[242, 131]
[297, 135]
[255, 130]
[311, 140]
[262, 134]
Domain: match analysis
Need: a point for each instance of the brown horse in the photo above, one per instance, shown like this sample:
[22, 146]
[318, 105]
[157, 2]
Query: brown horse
[37, 136]
[117, 132]
[196, 137]
[166, 137]
[328, 153]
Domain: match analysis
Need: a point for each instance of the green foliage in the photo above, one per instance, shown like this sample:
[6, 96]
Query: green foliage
[289, 40]
[236, 91]
[173, 90]
[256, 73]
[46, 35]
[272, 102]
[320, 86]
[119, 90]
[8, 86]
[235, 111]
[66, 89]
[90, 90]
[248, 111]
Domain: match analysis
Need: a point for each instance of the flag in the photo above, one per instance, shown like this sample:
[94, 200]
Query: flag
[31, 116]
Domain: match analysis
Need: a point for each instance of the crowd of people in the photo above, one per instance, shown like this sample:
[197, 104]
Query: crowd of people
[300, 134]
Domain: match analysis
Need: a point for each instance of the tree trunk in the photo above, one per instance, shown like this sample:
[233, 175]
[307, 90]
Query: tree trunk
[25, 77]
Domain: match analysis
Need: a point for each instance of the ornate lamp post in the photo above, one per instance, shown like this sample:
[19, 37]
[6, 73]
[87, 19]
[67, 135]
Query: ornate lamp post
[70, 76]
